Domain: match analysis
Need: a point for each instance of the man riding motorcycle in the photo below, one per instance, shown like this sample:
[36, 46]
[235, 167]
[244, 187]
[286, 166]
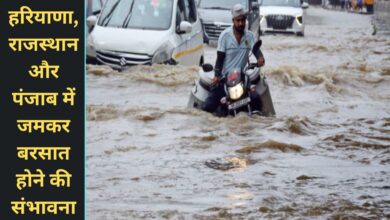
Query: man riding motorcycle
[234, 45]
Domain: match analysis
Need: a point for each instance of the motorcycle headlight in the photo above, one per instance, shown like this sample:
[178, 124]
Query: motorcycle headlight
[299, 19]
[236, 91]
[163, 53]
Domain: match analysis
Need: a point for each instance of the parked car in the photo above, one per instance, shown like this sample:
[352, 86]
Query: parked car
[216, 16]
[93, 9]
[285, 16]
[130, 32]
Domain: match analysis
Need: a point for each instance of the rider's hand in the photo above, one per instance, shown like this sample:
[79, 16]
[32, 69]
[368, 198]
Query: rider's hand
[216, 80]
[261, 61]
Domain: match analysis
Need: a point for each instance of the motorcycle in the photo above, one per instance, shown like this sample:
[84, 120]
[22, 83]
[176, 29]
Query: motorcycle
[240, 85]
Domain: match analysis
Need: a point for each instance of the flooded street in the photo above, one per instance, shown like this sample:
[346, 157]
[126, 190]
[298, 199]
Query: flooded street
[325, 155]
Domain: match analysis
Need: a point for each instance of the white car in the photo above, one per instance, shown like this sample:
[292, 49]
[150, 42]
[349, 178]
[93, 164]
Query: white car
[216, 17]
[131, 32]
[285, 16]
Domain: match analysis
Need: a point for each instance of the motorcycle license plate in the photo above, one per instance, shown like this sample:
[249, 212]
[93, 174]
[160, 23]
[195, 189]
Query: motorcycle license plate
[239, 103]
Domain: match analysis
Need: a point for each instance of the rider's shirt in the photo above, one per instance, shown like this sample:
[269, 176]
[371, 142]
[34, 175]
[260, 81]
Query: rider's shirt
[236, 53]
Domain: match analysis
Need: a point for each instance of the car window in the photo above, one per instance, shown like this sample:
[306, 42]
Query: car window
[190, 10]
[221, 4]
[141, 14]
[291, 3]
[180, 12]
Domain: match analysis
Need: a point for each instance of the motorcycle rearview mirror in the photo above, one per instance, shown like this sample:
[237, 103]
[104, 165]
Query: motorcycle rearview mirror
[256, 47]
[207, 67]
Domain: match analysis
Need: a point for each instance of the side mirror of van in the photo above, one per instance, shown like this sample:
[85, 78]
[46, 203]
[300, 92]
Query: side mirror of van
[91, 21]
[184, 28]
[305, 5]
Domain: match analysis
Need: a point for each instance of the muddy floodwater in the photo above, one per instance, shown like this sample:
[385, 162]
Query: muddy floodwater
[325, 155]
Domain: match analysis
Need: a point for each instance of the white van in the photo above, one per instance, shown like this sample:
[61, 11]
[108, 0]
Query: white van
[131, 32]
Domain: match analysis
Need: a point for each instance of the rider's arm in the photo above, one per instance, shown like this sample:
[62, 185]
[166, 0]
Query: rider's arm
[219, 63]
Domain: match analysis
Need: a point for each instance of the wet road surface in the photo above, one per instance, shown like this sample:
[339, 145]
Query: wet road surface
[326, 154]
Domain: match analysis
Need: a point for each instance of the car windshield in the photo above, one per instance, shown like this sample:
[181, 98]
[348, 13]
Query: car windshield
[221, 4]
[138, 14]
[96, 5]
[291, 3]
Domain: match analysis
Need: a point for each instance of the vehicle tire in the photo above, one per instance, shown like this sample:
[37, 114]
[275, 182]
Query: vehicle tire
[301, 34]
